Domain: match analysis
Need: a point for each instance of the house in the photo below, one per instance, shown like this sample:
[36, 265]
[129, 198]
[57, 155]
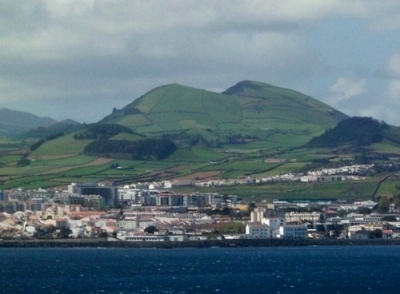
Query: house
[387, 234]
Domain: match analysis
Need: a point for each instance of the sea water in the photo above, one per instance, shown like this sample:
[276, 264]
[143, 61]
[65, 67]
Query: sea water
[314, 269]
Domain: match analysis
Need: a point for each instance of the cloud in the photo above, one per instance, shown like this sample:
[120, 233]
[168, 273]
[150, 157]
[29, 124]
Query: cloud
[393, 86]
[393, 65]
[345, 89]
[386, 114]
[61, 53]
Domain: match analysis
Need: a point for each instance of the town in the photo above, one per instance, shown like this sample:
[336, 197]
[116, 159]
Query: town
[144, 212]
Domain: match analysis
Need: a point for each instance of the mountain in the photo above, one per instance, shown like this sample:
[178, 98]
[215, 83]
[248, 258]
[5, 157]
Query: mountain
[13, 121]
[357, 131]
[65, 126]
[175, 132]
[248, 111]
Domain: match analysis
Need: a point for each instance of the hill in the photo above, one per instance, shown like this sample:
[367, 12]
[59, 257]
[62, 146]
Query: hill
[65, 127]
[250, 130]
[247, 112]
[357, 131]
[13, 121]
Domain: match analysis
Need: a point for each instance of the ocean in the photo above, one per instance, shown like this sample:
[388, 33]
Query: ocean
[312, 269]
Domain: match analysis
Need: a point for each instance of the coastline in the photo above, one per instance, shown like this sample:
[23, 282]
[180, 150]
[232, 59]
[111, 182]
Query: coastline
[236, 243]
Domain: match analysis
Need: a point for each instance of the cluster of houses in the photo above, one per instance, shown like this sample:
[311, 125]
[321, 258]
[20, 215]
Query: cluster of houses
[162, 223]
[323, 175]
[350, 172]
[85, 211]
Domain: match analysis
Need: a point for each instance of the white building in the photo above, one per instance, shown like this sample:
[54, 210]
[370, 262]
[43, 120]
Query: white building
[258, 231]
[275, 228]
[300, 216]
[124, 236]
[257, 215]
[293, 232]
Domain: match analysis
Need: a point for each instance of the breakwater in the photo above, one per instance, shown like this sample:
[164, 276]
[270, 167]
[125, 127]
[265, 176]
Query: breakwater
[95, 243]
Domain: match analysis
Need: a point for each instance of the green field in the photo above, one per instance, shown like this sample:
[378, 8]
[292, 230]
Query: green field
[252, 129]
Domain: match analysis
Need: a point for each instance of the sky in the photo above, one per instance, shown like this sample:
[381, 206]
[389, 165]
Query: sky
[78, 59]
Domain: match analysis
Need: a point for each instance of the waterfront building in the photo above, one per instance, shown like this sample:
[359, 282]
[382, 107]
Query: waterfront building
[293, 232]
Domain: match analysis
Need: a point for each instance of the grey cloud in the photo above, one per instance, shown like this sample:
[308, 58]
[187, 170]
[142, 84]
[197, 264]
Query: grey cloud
[103, 54]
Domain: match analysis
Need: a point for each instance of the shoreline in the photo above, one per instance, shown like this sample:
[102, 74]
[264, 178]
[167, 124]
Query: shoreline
[235, 243]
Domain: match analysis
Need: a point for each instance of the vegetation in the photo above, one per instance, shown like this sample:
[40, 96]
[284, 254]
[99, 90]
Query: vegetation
[359, 131]
[24, 161]
[180, 132]
[101, 132]
[258, 112]
[156, 149]
[150, 229]
[41, 141]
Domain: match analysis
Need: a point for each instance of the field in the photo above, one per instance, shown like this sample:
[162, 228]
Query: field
[252, 129]
[196, 163]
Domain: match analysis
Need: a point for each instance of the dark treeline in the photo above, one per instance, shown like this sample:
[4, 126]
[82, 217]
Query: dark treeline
[101, 131]
[190, 139]
[121, 112]
[360, 131]
[156, 149]
[39, 143]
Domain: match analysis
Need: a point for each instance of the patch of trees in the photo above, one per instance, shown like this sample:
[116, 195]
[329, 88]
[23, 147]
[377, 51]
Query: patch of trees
[389, 218]
[101, 132]
[121, 112]
[240, 139]
[24, 161]
[190, 140]
[359, 131]
[233, 228]
[114, 166]
[148, 149]
[150, 229]
[387, 167]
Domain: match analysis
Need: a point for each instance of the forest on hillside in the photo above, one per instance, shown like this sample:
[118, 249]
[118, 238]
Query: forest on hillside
[148, 149]
[358, 131]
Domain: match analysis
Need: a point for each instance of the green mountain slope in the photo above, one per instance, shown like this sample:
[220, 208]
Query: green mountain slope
[236, 133]
[249, 109]
[266, 100]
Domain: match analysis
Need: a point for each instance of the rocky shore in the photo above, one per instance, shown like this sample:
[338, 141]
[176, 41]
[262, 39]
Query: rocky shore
[237, 243]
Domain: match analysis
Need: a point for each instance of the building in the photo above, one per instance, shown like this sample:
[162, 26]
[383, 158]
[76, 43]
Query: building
[258, 231]
[108, 193]
[275, 227]
[3, 195]
[124, 236]
[129, 194]
[291, 217]
[293, 232]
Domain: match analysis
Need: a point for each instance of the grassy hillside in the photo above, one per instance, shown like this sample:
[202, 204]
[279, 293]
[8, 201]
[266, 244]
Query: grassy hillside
[247, 112]
[251, 129]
